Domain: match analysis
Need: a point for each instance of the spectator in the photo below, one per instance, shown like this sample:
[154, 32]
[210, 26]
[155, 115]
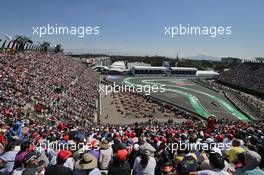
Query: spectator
[120, 164]
[250, 161]
[24, 149]
[183, 169]
[59, 168]
[234, 151]
[106, 154]
[7, 159]
[87, 165]
[31, 165]
[134, 154]
[144, 164]
[217, 163]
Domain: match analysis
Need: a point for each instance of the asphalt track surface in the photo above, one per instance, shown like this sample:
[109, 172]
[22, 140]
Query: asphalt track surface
[189, 95]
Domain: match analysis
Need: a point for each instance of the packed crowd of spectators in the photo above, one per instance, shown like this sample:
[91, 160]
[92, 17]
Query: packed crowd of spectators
[247, 75]
[46, 101]
[254, 105]
[46, 86]
[225, 148]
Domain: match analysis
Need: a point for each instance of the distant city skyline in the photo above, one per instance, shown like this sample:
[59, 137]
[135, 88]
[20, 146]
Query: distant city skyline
[137, 27]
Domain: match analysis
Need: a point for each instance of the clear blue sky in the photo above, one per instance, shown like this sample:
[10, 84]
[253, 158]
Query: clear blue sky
[136, 27]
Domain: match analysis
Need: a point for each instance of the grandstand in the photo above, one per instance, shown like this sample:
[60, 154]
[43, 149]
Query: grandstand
[143, 69]
[207, 74]
[248, 77]
[175, 71]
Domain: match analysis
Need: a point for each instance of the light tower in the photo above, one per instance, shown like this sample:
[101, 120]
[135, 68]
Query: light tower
[177, 59]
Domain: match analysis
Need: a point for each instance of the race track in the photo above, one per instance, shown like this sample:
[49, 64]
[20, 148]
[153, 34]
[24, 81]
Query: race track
[192, 96]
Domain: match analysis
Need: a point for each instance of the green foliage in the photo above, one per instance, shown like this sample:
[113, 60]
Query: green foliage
[58, 48]
[45, 46]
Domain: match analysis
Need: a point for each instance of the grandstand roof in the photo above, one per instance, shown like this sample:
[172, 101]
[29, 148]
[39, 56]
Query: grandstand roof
[119, 64]
[133, 64]
[184, 68]
[162, 68]
[206, 73]
[118, 69]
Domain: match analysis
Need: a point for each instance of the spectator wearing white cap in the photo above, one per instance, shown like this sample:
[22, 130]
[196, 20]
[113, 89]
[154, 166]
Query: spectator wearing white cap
[134, 154]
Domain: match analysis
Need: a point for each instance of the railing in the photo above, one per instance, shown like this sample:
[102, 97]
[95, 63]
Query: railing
[12, 46]
[242, 108]
[238, 100]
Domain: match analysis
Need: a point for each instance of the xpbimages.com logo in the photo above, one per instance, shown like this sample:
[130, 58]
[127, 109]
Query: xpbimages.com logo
[174, 147]
[79, 31]
[210, 31]
[116, 88]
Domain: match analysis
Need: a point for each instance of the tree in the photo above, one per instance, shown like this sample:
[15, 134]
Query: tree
[58, 48]
[45, 46]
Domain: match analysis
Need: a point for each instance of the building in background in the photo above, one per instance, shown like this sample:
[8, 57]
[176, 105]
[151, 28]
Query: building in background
[231, 60]
[133, 64]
